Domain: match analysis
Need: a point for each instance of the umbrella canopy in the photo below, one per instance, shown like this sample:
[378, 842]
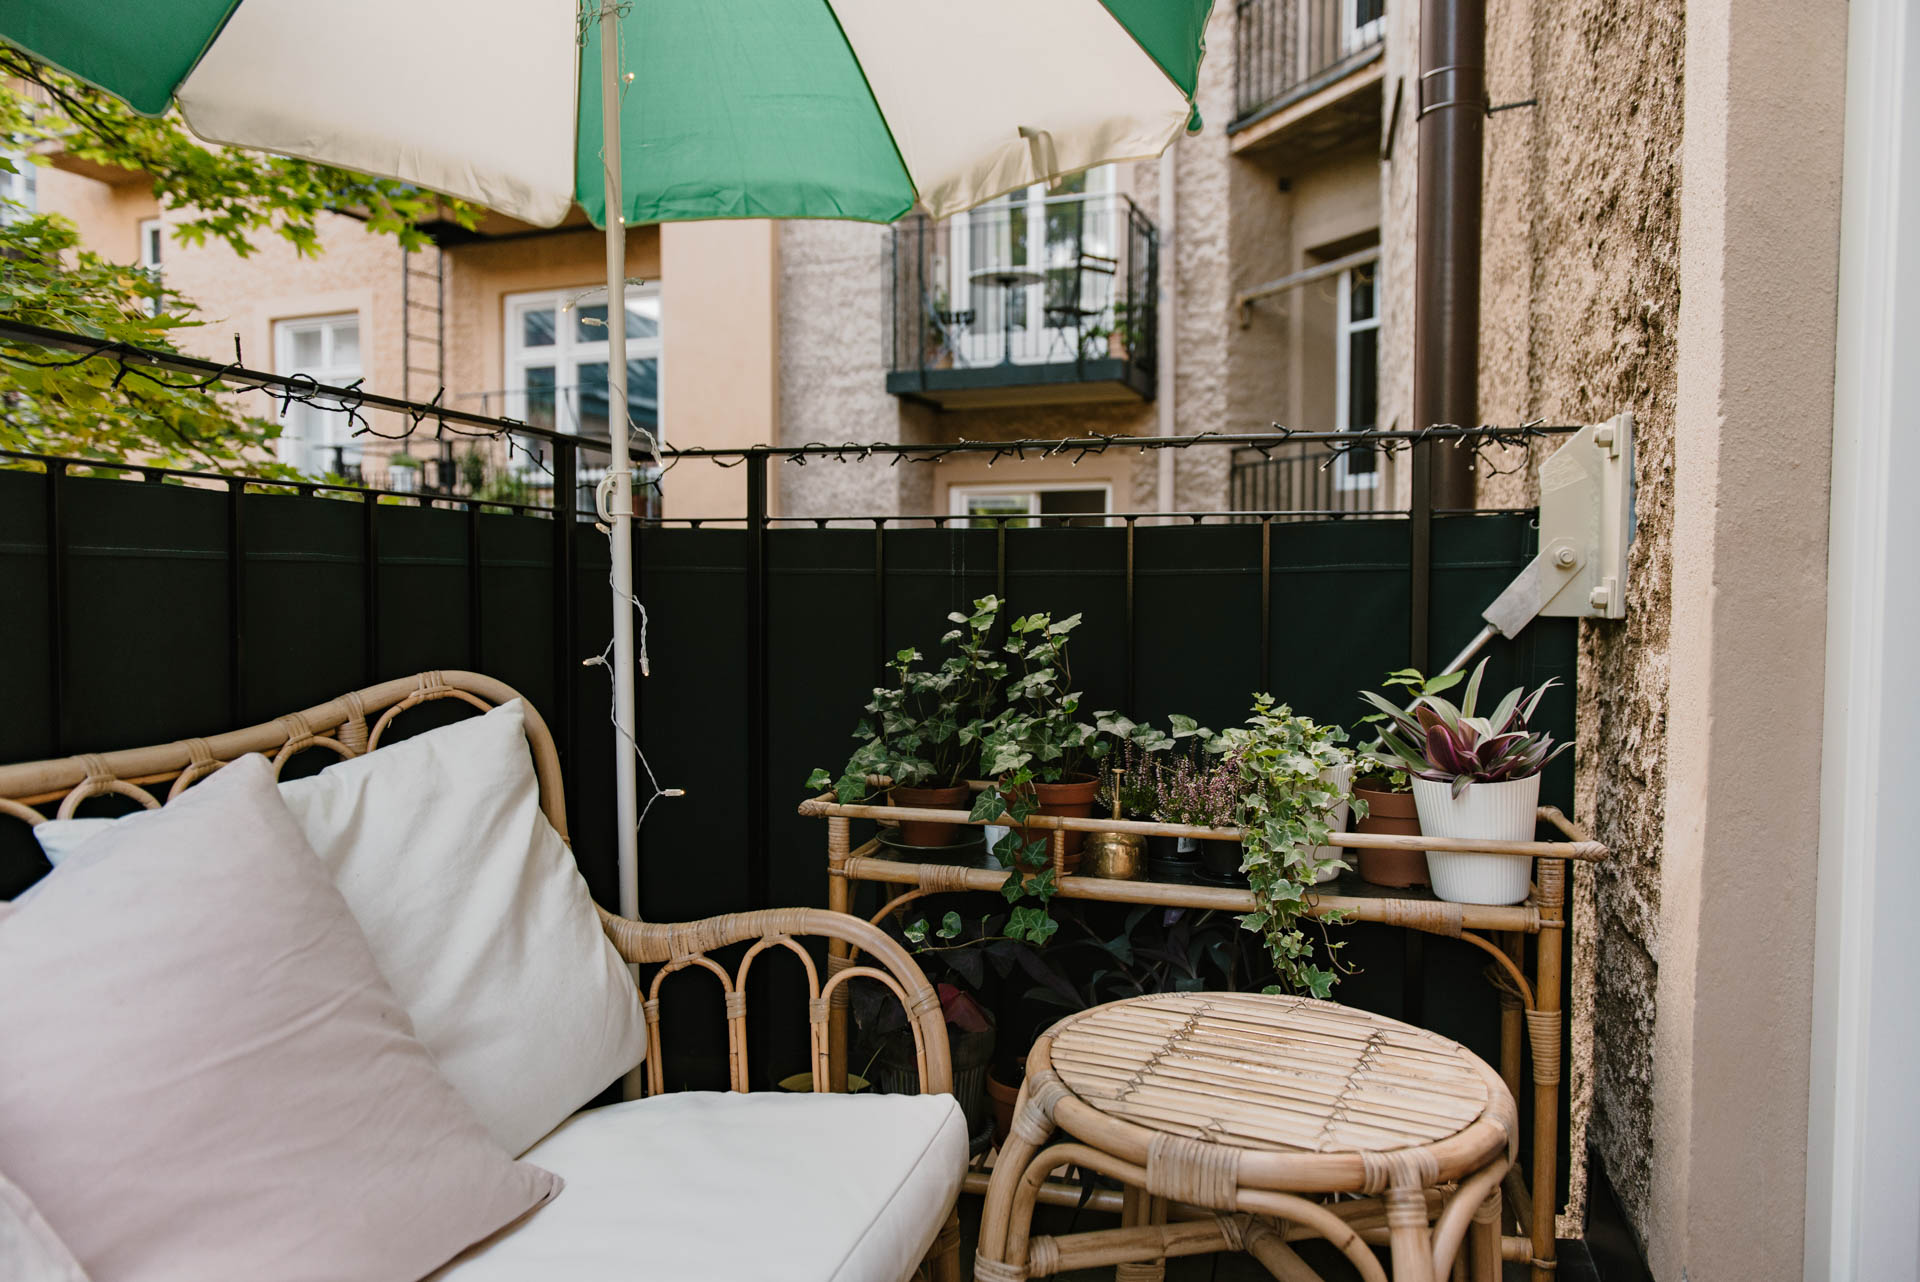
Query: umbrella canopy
[660, 110]
[731, 108]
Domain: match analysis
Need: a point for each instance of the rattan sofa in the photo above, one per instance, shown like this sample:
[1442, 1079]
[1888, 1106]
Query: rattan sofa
[356, 723]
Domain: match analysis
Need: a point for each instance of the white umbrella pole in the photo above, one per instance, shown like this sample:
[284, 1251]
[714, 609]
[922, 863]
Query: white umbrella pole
[626, 780]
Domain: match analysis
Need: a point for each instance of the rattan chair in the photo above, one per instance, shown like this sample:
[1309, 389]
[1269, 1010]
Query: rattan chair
[1241, 1122]
[356, 723]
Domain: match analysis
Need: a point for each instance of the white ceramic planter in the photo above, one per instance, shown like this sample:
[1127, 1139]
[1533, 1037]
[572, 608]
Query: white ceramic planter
[1340, 777]
[1492, 811]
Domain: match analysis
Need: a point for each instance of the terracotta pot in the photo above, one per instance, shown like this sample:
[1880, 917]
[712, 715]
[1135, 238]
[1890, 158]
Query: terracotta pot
[926, 832]
[1072, 800]
[1391, 814]
[1004, 1097]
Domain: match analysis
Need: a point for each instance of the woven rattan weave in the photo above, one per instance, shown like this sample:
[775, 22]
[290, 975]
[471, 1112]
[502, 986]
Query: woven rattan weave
[1232, 1117]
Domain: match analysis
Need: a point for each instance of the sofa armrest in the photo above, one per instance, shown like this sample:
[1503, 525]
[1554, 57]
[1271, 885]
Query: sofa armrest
[676, 946]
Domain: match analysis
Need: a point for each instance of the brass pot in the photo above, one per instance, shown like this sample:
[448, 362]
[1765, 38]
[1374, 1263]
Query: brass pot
[1121, 856]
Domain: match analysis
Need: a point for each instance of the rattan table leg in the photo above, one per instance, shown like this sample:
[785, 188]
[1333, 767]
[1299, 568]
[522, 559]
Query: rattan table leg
[1483, 1241]
[1409, 1236]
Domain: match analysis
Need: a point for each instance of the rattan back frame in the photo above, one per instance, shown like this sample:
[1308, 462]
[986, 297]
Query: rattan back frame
[355, 723]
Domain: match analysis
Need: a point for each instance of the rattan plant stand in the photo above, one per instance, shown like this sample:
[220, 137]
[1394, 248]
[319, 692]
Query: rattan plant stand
[1531, 1004]
[1250, 1112]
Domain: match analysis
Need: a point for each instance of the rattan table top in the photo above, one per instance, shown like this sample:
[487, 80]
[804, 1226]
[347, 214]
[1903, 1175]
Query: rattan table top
[1281, 1074]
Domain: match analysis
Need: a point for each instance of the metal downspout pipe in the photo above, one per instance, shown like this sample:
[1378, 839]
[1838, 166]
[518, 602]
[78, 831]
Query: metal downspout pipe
[1452, 120]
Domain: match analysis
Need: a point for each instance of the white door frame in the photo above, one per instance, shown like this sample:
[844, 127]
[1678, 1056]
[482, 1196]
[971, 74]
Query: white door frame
[1346, 479]
[1863, 1166]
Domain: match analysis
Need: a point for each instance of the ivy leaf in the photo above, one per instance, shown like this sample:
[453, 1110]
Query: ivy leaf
[819, 780]
[950, 926]
[988, 806]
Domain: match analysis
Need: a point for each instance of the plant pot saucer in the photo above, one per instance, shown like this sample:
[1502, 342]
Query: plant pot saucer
[967, 851]
[1235, 879]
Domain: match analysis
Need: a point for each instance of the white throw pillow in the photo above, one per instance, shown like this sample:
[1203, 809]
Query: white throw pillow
[30, 1251]
[476, 914]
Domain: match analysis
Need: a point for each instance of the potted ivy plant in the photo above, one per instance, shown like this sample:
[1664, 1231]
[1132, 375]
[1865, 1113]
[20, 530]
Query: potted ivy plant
[1292, 774]
[923, 731]
[1039, 731]
[1473, 777]
[1386, 789]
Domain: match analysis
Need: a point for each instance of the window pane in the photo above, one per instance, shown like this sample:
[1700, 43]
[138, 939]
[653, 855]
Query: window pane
[643, 317]
[307, 345]
[1073, 507]
[538, 382]
[1360, 295]
[1363, 362]
[999, 505]
[590, 400]
[346, 345]
[536, 327]
[643, 394]
[643, 320]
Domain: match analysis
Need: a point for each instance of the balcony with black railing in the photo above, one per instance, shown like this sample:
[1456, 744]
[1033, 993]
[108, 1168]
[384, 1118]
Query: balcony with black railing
[1306, 71]
[1036, 299]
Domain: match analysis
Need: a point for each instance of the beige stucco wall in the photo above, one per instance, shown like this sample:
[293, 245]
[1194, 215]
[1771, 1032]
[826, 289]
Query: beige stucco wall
[720, 311]
[1705, 307]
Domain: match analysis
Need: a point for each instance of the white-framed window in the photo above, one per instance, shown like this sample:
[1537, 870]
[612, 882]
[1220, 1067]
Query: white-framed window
[1019, 267]
[1063, 503]
[18, 196]
[1357, 371]
[153, 243]
[556, 361]
[315, 438]
[1362, 23]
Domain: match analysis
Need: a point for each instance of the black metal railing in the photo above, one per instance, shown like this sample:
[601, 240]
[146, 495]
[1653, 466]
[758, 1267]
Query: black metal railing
[1287, 47]
[1066, 280]
[1311, 483]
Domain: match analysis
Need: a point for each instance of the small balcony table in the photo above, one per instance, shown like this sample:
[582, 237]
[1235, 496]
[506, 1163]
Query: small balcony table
[1534, 1001]
[1235, 1116]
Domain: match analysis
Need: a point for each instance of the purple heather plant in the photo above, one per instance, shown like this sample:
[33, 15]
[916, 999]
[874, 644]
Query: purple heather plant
[1202, 793]
[1435, 740]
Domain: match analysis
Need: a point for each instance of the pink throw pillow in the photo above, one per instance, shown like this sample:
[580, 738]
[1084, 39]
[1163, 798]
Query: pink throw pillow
[203, 1075]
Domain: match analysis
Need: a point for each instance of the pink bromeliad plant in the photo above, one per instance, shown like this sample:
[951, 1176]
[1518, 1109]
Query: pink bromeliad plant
[1435, 740]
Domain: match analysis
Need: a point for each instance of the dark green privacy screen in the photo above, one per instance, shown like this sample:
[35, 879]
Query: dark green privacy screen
[143, 626]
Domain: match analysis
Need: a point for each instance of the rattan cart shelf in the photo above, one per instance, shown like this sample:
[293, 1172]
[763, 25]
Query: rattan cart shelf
[1531, 1001]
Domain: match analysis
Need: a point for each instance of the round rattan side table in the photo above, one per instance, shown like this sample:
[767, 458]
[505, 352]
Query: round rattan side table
[1233, 1120]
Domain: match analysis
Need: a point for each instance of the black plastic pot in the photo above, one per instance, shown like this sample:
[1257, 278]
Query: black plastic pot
[897, 1073]
[1172, 858]
[1220, 863]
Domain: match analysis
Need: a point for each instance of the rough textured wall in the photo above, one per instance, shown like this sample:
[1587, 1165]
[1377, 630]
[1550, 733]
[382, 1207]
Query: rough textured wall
[833, 387]
[1580, 298]
[1199, 362]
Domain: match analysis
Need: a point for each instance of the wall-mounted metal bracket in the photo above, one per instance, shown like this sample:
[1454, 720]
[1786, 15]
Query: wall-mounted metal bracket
[1586, 514]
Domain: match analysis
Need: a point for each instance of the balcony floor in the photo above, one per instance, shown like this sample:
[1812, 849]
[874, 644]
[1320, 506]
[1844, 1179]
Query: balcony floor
[1109, 380]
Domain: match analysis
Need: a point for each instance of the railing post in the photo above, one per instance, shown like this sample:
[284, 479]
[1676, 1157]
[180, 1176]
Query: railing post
[236, 603]
[759, 889]
[566, 473]
[56, 607]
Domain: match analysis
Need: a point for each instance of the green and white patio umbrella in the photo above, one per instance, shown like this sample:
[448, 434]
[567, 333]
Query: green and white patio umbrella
[659, 109]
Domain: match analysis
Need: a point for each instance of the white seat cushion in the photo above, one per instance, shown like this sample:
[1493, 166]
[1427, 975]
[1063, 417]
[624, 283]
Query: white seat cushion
[703, 1187]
